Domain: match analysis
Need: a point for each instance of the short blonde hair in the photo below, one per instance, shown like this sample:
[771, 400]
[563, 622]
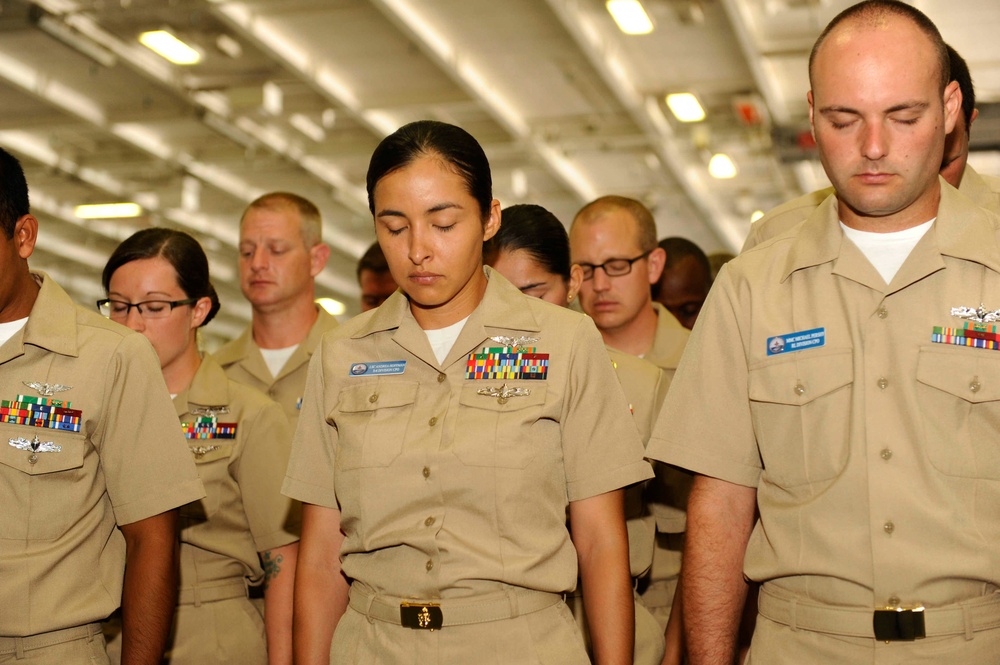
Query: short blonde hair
[311, 226]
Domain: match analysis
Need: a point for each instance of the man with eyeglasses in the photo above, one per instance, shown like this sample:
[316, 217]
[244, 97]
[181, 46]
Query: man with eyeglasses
[92, 467]
[613, 240]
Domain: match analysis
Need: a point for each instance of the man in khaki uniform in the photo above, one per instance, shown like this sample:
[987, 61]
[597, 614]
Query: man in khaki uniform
[281, 252]
[453, 481]
[613, 239]
[983, 190]
[92, 467]
[374, 278]
[849, 403]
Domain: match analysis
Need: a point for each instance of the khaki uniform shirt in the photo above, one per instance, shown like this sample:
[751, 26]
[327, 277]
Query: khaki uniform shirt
[982, 190]
[874, 454]
[668, 342]
[243, 362]
[61, 555]
[450, 486]
[243, 512]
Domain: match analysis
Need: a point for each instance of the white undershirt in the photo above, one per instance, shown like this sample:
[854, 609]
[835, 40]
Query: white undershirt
[442, 339]
[887, 251]
[9, 329]
[276, 358]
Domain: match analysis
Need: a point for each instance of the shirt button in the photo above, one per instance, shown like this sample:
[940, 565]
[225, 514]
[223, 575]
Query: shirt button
[442, 377]
[882, 312]
[886, 454]
[373, 398]
[427, 472]
[883, 382]
[433, 421]
[974, 385]
[799, 389]
[428, 521]
[429, 566]
[889, 527]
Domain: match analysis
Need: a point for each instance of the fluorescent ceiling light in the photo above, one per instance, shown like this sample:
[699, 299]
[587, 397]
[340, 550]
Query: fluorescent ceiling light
[334, 307]
[167, 46]
[306, 125]
[757, 214]
[685, 107]
[721, 167]
[108, 210]
[630, 16]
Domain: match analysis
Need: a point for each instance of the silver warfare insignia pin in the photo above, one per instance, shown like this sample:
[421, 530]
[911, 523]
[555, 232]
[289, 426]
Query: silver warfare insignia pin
[46, 389]
[35, 446]
[522, 340]
[504, 393]
[210, 411]
[976, 314]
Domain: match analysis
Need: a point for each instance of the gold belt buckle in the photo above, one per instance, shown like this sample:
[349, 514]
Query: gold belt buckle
[421, 616]
[895, 624]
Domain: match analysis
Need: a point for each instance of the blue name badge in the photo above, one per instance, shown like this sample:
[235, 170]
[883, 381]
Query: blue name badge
[796, 341]
[378, 369]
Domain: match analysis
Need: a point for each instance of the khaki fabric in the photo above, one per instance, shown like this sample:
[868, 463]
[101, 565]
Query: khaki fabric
[448, 492]
[668, 342]
[62, 556]
[243, 512]
[84, 651]
[982, 190]
[874, 455]
[243, 362]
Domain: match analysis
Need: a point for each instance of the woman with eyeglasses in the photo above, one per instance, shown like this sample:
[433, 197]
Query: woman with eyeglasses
[531, 249]
[443, 437]
[244, 532]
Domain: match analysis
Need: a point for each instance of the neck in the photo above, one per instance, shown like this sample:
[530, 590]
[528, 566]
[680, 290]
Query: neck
[284, 328]
[460, 306]
[924, 209]
[635, 337]
[23, 297]
[180, 373]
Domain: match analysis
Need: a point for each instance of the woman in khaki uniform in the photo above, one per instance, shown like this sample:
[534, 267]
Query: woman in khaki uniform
[158, 284]
[531, 249]
[443, 436]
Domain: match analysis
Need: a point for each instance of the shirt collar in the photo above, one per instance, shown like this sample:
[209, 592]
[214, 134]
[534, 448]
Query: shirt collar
[52, 322]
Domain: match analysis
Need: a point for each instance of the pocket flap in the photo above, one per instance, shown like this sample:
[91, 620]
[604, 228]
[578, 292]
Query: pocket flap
[69, 455]
[801, 378]
[972, 375]
[492, 402]
[373, 395]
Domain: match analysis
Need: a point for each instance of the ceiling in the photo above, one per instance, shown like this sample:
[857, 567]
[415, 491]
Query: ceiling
[295, 94]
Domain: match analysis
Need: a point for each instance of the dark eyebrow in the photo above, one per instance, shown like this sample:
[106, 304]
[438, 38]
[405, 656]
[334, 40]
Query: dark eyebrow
[904, 106]
[530, 286]
[389, 213]
[444, 206]
[436, 208]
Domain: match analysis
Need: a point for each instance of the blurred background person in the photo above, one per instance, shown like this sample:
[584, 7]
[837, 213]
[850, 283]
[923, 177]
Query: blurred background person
[685, 280]
[157, 282]
[374, 278]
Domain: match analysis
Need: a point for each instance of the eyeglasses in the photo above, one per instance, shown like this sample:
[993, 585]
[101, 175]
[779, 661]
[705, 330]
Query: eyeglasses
[117, 310]
[611, 267]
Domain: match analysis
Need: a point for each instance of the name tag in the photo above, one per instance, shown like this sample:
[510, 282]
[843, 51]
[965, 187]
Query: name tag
[378, 369]
[796, 341]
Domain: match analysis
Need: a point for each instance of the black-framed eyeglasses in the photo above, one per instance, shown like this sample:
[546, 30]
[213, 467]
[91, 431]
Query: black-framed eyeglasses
[117, 310]
[611, 267]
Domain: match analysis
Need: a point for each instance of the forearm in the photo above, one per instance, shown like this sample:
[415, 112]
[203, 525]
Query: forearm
[598, 525]
[150, 589]
[674, 635]
[320, 586]
[720, 518]
[279, 584]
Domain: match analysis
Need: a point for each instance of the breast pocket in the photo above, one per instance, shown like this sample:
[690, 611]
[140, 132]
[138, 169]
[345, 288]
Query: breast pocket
[959, 396]
[372, 420]
[497, 432]
[41, 492]
[801, 407]
[211, 458]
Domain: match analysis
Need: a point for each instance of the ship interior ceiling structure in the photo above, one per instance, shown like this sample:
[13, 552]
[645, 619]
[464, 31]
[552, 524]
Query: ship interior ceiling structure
[295, 94]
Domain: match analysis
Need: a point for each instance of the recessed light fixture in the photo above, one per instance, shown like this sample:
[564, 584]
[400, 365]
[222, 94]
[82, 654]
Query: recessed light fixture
[755, 215]
[721, 166]
[631, 18]
[107, 210]
[334, 307]
[166, 45]
[685, 107]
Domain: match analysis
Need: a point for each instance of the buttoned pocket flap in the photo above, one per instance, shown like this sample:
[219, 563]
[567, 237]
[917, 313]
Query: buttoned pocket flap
[376, 395]
[471, 396]
[800, 379]
[972, 375]
[69, 455]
